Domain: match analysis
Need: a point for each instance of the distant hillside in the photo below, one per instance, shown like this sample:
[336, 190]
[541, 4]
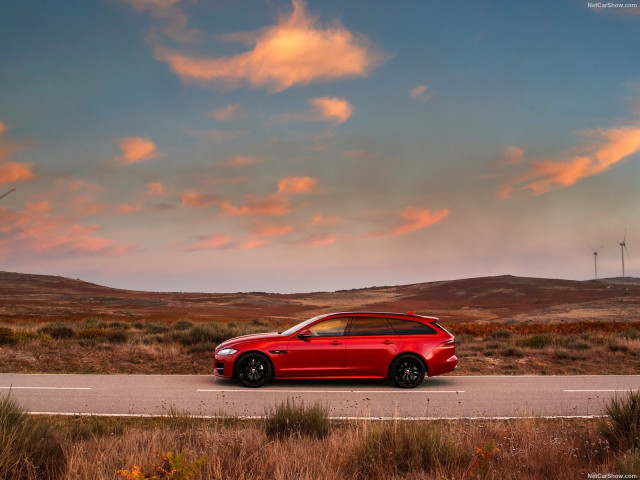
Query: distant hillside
[25, 297]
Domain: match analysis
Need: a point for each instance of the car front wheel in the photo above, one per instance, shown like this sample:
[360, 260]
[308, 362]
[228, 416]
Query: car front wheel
[407, 371]
[253, 370]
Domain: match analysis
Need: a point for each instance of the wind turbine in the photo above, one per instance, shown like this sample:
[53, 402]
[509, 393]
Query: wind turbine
[623, 248]
[595, 259]
[12, 190]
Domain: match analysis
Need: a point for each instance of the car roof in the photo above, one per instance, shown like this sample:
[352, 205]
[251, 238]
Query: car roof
[380, 314]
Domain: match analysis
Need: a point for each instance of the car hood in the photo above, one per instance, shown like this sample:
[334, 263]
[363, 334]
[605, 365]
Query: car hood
[249, 338]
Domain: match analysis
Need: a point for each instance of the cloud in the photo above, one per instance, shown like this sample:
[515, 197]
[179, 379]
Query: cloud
[134, 150]
[218, 135]
[297, 50]
[146, 4]
[599, 150]
[265, 206]
[155, 189]
[13, 172]
[420, 93]
[240, 161]
[87, 206]
[418, 218]
[128, 209]
[512, 155]
[227, 113]
[200, 200]
[173, 19]
[326, 221]
[297, 185]
[248, 244]
[208, 243]
[272, 230]
[38, 233]
[332, 109]
[316, 240]
[39, 207]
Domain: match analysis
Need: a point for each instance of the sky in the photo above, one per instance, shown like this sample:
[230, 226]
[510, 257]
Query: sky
[294, 146]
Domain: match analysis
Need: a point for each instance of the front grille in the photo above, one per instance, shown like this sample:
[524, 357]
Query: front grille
[220, 368]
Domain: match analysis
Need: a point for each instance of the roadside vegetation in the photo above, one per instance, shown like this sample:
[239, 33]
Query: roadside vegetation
[183, 347]
[284, 445]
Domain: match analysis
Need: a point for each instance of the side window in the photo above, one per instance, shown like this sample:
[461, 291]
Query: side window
[329, 328]
[409, 327]
[363, 326]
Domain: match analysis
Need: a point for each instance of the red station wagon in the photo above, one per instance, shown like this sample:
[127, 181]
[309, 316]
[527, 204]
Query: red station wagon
[402, 347]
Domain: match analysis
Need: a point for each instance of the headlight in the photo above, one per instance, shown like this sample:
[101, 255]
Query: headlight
[227, 351]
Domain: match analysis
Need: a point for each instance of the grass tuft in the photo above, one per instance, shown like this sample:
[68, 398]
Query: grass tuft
[291, 419]
[622, 428]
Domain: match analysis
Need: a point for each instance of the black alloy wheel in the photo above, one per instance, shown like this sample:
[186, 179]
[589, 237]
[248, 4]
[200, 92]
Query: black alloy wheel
[407, 371]
[253, 370]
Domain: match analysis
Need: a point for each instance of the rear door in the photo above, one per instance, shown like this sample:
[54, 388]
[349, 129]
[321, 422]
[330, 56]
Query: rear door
[320, 355]
[371, 345]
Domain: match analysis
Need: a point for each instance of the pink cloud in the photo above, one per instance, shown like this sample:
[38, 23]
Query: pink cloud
[262, 206]
[13, 172]
[128, 209]
[210, 242]
[326, 221]
[40, 233]
[155, 189]
[599, 150]
[297, 185]
[249, 244]
[317, 240]
[201, 200]
[240, 161]
[39, 207]
[227, 113]
[513, 155]
[332, 109]
[87, 206]
[418, 218]
[272, 230]
[419, 92]
[135, 150]
[297, 50]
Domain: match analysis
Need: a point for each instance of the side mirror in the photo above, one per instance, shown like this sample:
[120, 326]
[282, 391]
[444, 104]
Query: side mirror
[304, 334]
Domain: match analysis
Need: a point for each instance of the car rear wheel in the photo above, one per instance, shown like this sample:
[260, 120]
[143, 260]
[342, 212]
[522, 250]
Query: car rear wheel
[253, 370]
[407, 371]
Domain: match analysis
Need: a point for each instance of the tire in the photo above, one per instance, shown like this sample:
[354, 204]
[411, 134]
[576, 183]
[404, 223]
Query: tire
[407, 371]
[253, 370]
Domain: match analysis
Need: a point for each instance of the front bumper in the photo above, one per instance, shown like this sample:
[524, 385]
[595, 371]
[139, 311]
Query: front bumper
[223, 365]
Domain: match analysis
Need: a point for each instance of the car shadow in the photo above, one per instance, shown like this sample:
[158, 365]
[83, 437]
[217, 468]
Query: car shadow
[340, 384]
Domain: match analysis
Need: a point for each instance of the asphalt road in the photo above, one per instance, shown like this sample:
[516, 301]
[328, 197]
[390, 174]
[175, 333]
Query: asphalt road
[438, 397]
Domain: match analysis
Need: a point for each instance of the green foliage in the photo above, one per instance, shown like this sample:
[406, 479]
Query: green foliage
[59, 331]
[538, 341]
[173, 467]
[290, 419]
[398, 448]
[622, 427]
[182, 325]
[501, 334]
[28, 446]
[482, 461]
[87, 428]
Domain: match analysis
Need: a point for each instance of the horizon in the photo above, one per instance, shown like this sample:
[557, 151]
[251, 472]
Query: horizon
[299, 146]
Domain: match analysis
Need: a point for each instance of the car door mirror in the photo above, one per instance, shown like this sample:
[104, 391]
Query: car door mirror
[304, 334]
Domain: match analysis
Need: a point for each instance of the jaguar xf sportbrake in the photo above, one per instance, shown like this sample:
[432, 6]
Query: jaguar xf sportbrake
[405, 348]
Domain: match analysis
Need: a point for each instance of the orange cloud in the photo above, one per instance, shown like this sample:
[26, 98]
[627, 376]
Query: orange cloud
[227, 113]
[599, 150]
[12, 172]
[513, 155]
[322, 220]
[417, 218]
[297, 185]
[297, 50]
[154, 189]
[195, 199]
[40, 233]
[248, 244]
[210, 242]
[128, 209]
[332, 109]
[317, 240]
[271, 230]
[87, 206]
[270, 205]
[134, 150]
[420, 93]
[240, 161]
[40, 207]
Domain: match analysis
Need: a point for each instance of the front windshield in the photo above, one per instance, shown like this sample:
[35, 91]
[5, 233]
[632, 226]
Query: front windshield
[301, 325]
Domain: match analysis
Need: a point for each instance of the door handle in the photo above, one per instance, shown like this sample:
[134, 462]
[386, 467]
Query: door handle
[336, 342]
[388, 342]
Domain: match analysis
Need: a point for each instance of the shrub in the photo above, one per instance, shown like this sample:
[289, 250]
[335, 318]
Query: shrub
[616, 347]
[630, 334]
[199, 334]
[512, 352]
[504, 334]
[173, 467]
[117, 336]
[622, 427]
[398, 448]
[59, 331]
[537, 341]
[157, 327]
[182, 325]
[28, 446]
[295, 419]
[629, 464]
[7, 336]
[92, 333]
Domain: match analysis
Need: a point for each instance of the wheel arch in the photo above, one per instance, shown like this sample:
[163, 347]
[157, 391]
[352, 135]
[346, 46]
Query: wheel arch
[234, 374]
[410, 354]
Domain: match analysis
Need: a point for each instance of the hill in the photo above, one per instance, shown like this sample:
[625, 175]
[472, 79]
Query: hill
[26, 297]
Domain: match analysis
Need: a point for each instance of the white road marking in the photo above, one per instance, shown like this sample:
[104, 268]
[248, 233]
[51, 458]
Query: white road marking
[261, 417]
[45, 388]
[611, 390]
[246, 390]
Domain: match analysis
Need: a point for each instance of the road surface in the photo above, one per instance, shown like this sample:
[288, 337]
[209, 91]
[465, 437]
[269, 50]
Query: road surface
[438, 397]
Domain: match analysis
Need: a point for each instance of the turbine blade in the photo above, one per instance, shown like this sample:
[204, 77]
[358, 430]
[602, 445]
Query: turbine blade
[625, 249]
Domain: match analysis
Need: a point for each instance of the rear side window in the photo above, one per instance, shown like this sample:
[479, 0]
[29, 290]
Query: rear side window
[367, 326]
[409, 327]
